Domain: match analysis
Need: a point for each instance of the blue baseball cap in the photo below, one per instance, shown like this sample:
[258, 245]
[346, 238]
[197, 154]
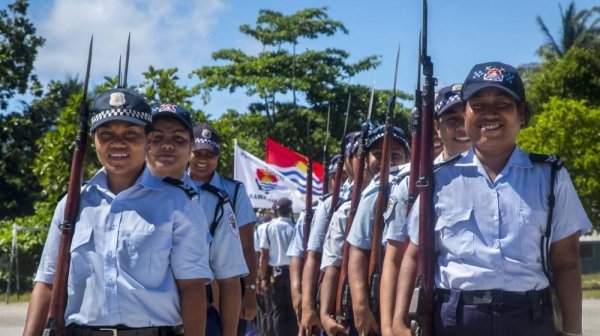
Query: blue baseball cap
[334, 163]
[397, 135]
[447, 97]
[206, 137]
[351, 143]
[120, 104]
[174, 111]
[494, 74]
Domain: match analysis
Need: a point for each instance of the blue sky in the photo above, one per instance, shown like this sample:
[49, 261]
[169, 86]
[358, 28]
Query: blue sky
[183, 34]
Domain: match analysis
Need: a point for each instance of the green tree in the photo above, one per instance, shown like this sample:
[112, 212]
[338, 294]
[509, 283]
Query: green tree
[20, 131]
[276, 71]
[575, 76]
[569, 128]
[575, 31]
[18, 48]
[161, 86]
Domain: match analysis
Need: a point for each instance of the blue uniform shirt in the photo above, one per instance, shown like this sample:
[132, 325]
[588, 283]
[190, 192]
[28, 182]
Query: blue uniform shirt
[244, 213]
[226, 256]
[487, 232]
[296, 248]
[127, 251]
[319, 226]
[361, 232]
[333, 246]
[399, 194]
[276, 237]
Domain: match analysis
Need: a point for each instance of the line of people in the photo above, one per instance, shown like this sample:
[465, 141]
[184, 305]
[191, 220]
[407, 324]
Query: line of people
[507, 228]
[157, 224]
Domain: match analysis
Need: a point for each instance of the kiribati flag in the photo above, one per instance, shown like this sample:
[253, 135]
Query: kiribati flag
[294, 165]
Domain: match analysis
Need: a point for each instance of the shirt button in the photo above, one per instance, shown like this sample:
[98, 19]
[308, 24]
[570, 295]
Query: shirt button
[496, 244]
[495, 217]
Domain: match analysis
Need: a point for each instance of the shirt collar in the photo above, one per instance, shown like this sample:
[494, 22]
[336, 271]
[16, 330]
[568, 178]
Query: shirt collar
[518, 158]
[146, 179]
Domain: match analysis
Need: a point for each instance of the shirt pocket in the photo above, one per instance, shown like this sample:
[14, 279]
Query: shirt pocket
[532, 225]
[147, 255]
[81, 249]
[454, 234]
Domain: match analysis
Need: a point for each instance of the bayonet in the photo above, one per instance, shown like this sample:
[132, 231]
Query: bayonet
[126, 61]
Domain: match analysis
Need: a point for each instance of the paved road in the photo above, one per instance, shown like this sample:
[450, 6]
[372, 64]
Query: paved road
[12, 317]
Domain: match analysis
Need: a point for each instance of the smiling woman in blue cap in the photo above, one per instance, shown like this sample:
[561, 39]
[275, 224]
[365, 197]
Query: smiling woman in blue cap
[138, 260]
[507, 225]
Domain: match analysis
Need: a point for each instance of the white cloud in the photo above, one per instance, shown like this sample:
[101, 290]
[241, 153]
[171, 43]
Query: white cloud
[163, 34]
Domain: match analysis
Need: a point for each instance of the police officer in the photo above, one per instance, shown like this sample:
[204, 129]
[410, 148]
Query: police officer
[274, 242]
[449, 122]
[202, 169]
[131, 249]
[169, 149]
[263, 319]
[318, 231]
[361, 231]
[334, 241]
[492, 210]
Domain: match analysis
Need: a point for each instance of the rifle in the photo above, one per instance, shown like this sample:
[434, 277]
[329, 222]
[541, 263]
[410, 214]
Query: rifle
[308, 212]
[326, 156]
[415, 146]
[375, 258]
[343, 291]
[423, 324]
[337, 179]
[55, 323]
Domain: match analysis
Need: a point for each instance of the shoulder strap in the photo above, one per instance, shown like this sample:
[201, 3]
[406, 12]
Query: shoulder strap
[223, 199]
[440, 164]
[189, 191]
[235, 191]
[555, 165]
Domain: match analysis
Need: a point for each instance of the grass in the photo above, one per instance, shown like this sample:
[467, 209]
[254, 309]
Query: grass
[590, 283]
[23, 297]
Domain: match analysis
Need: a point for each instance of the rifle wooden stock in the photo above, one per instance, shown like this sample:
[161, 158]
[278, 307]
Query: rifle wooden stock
[306, 227]
[375, 257]
[426, 255]
[342, 287]
[55, 323]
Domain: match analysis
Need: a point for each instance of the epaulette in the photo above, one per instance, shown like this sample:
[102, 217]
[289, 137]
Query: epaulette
[398, 178]
[440, 164]
[231, 180]
[189, 191]
[221, 194]
[324, 197]
[315, 203]
[553, 160]
[65, 193]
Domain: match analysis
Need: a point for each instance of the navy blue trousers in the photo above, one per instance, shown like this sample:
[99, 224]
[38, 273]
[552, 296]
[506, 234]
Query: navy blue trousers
[452, 318]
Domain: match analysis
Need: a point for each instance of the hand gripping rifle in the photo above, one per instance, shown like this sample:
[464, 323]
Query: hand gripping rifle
[423, 325]
[375, 258]
[342, 302]
[55, 322]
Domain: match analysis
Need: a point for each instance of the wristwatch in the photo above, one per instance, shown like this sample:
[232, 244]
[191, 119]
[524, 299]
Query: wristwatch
[251, 286]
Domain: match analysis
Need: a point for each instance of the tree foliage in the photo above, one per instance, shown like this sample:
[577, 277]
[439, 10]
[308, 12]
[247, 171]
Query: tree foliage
[575, 76]
[277, 71]
[569, 128]
[19, 45]
[18, 148]
[576, 31]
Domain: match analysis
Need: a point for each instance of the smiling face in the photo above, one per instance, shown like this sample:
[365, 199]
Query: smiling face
[169, 147]
[203, 164]
[398, 156]
[493, 120]
[121, 149]
[450, 127]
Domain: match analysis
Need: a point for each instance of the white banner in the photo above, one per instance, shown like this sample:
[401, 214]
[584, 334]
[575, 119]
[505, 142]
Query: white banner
[264, 184]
